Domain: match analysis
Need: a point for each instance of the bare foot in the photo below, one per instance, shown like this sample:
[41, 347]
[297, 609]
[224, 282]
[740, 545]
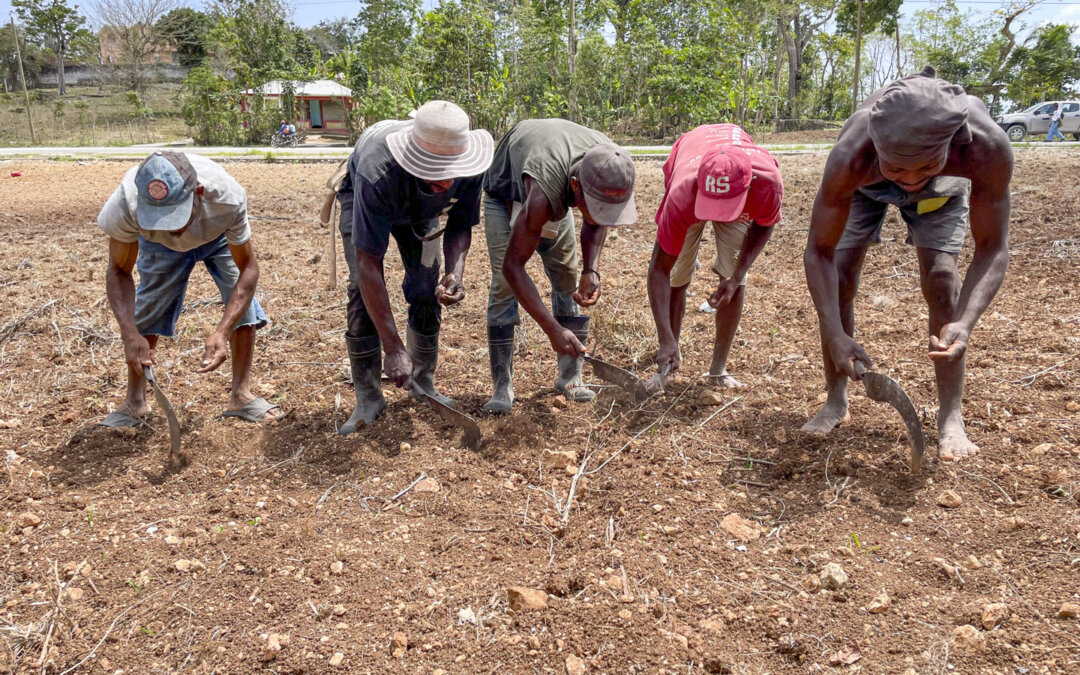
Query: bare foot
[831, 415]
[724, 381]
[955, 447]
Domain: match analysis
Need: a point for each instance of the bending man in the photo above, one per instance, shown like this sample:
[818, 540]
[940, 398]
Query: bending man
[402, 177]
[923, 145]
[714, 173]
[541, 169]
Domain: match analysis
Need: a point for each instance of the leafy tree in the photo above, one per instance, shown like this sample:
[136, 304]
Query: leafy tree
[332, 37]
[1045, 67]
[54, 25]
[183, 28]
[32, 56]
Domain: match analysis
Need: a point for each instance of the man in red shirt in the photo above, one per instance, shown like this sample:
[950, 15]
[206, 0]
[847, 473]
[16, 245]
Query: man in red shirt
[714, 173]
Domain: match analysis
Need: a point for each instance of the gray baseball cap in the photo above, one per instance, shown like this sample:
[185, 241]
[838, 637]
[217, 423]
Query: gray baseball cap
[607, 179]
[166, 182]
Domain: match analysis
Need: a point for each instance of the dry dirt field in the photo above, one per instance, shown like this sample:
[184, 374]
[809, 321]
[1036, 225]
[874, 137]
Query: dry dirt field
[697, 536]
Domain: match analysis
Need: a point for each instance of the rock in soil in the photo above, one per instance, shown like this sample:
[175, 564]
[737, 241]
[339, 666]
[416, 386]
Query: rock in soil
[833, 577]
[812, 583]
[741, 528]
[337, 659]
[521, 598]
[710, 397]
[994, 614]
[398, 644]
[574, 666]
[968, 638]
[28, 519]
[949, 499]
[1069, 610]
[880, 604]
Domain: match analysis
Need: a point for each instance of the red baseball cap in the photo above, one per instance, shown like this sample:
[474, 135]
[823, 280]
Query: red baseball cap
[723, 180]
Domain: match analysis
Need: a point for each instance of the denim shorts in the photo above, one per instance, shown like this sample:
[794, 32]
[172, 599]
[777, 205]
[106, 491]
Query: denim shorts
[163, 281]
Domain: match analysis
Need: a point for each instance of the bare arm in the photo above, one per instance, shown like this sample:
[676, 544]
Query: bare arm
[990, 207]
[592, 243]
[120, 290]
[217, 344]
[456, 243]
[753, 243]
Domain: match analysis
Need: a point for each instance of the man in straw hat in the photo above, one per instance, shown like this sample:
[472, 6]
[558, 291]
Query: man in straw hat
[717, 175]
[923, 145]
[170, 213]
[402, 177]
[541, 169]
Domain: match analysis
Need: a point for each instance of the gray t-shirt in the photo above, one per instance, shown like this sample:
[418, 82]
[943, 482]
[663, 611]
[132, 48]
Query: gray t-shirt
[544, 150]
[222, 210]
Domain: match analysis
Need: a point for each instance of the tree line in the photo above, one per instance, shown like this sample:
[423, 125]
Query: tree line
[637, 69]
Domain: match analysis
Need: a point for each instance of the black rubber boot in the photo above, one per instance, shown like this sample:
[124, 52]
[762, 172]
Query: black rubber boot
[424, 352]
[365, 359]
[501, 352]
[569, 380]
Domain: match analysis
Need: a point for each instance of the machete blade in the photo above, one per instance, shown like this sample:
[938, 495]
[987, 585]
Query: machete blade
[884, 389]
[623, 379]
[170, 413]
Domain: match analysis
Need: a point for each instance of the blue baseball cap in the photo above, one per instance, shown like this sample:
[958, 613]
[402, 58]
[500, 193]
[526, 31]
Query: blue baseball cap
[167, 183]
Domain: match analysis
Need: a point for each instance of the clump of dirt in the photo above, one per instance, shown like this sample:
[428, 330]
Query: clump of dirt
[290, 548]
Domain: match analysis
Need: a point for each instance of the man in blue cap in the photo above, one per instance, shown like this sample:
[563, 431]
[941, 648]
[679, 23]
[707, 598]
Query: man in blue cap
[172, 211]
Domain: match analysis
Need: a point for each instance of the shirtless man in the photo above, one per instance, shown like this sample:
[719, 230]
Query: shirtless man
[923, 145]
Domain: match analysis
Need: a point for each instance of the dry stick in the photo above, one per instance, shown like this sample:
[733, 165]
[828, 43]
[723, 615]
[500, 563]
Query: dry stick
[1029, 380]
[393, 499]
[332, 249]
[635, 437]
[107, 632]
[9, 328]
[1003, 493]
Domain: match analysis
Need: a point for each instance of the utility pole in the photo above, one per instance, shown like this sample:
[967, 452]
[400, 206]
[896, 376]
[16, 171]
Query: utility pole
[22, 76]
[858, 60]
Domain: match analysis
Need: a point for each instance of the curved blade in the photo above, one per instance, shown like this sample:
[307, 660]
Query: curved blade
[473, 436]
[620, 377]
[163, 402]
[884, 389]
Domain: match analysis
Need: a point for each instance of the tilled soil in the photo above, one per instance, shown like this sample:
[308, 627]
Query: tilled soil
[696, 536]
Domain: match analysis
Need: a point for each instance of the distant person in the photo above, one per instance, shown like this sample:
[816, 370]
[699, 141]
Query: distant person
[402, 177]
[284, 128]
[170, 213]
[923, 145]
[542, 169]
[714, 175]
[292, 128]
[1054, 134]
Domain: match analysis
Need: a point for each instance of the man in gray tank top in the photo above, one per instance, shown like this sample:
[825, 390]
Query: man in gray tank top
[541, 169]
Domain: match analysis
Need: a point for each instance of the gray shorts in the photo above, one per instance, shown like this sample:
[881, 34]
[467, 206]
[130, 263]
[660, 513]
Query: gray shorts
[936, 215]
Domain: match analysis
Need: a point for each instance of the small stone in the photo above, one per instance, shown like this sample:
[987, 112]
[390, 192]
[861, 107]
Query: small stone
[172, 540]
[812, 583]
[559, 402]
[625, 614]
[429, 485]
[972, 563]
[994, 614]
[189, 566]
[833, 577]
[968, 638]
[337, 659]
[337, 567]
[521, 599]
[404, 447]
[75, 594]
[949, 499]
[28, 519]
[273, 646]
[533, 642]
[710, 397]
[466, 615]
[399, 643]
[907, 522]
[1069, 610]
[880, 604]
[740, 528]
[559, 459]
[574, 665]
[1072, 406]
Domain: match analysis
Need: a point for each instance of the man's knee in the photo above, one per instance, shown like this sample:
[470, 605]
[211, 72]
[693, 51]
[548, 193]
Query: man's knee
[941, 282]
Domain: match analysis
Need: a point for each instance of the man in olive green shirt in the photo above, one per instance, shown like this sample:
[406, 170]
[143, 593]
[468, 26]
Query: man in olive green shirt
[541, 169]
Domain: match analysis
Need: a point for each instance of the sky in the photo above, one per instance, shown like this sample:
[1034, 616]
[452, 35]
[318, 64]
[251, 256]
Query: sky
[310, 12]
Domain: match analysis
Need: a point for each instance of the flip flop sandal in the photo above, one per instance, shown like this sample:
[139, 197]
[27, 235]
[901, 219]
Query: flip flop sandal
[119, 419]
[254, 411]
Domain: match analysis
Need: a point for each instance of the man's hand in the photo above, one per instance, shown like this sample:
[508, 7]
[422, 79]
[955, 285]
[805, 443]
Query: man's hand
[588, 292]
[399, 367]
[951, 346]
[564, 341]
[669, 356]
[137, 353]
[217, 349]
[844, 351]
[449, 291]
[725, 291]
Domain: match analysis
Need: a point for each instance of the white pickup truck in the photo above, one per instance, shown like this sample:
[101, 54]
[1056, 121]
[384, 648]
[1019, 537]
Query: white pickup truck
[1036, 120]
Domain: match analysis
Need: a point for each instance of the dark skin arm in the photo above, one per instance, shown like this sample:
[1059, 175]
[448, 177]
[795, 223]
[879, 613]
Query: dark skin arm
[369, 272]
[120, 290]
[524, 238]
[660, 301]
[217, 345]
[990, 207]
[456, 243]
[592, 242]
[755, 240]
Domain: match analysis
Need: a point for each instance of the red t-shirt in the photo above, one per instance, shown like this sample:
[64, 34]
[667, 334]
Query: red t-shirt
[676, 213]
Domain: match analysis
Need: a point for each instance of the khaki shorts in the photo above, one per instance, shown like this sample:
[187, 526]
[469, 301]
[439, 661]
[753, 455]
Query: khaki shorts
[729, 243]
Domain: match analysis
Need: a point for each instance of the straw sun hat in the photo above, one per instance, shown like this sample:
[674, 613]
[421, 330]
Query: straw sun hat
[440, 146]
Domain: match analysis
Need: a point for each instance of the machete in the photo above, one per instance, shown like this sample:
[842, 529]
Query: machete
[473, 436]
[620, 377]
[884, 389]
[170, 413]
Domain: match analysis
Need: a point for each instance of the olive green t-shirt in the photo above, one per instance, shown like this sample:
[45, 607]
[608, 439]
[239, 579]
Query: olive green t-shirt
[544, 150]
